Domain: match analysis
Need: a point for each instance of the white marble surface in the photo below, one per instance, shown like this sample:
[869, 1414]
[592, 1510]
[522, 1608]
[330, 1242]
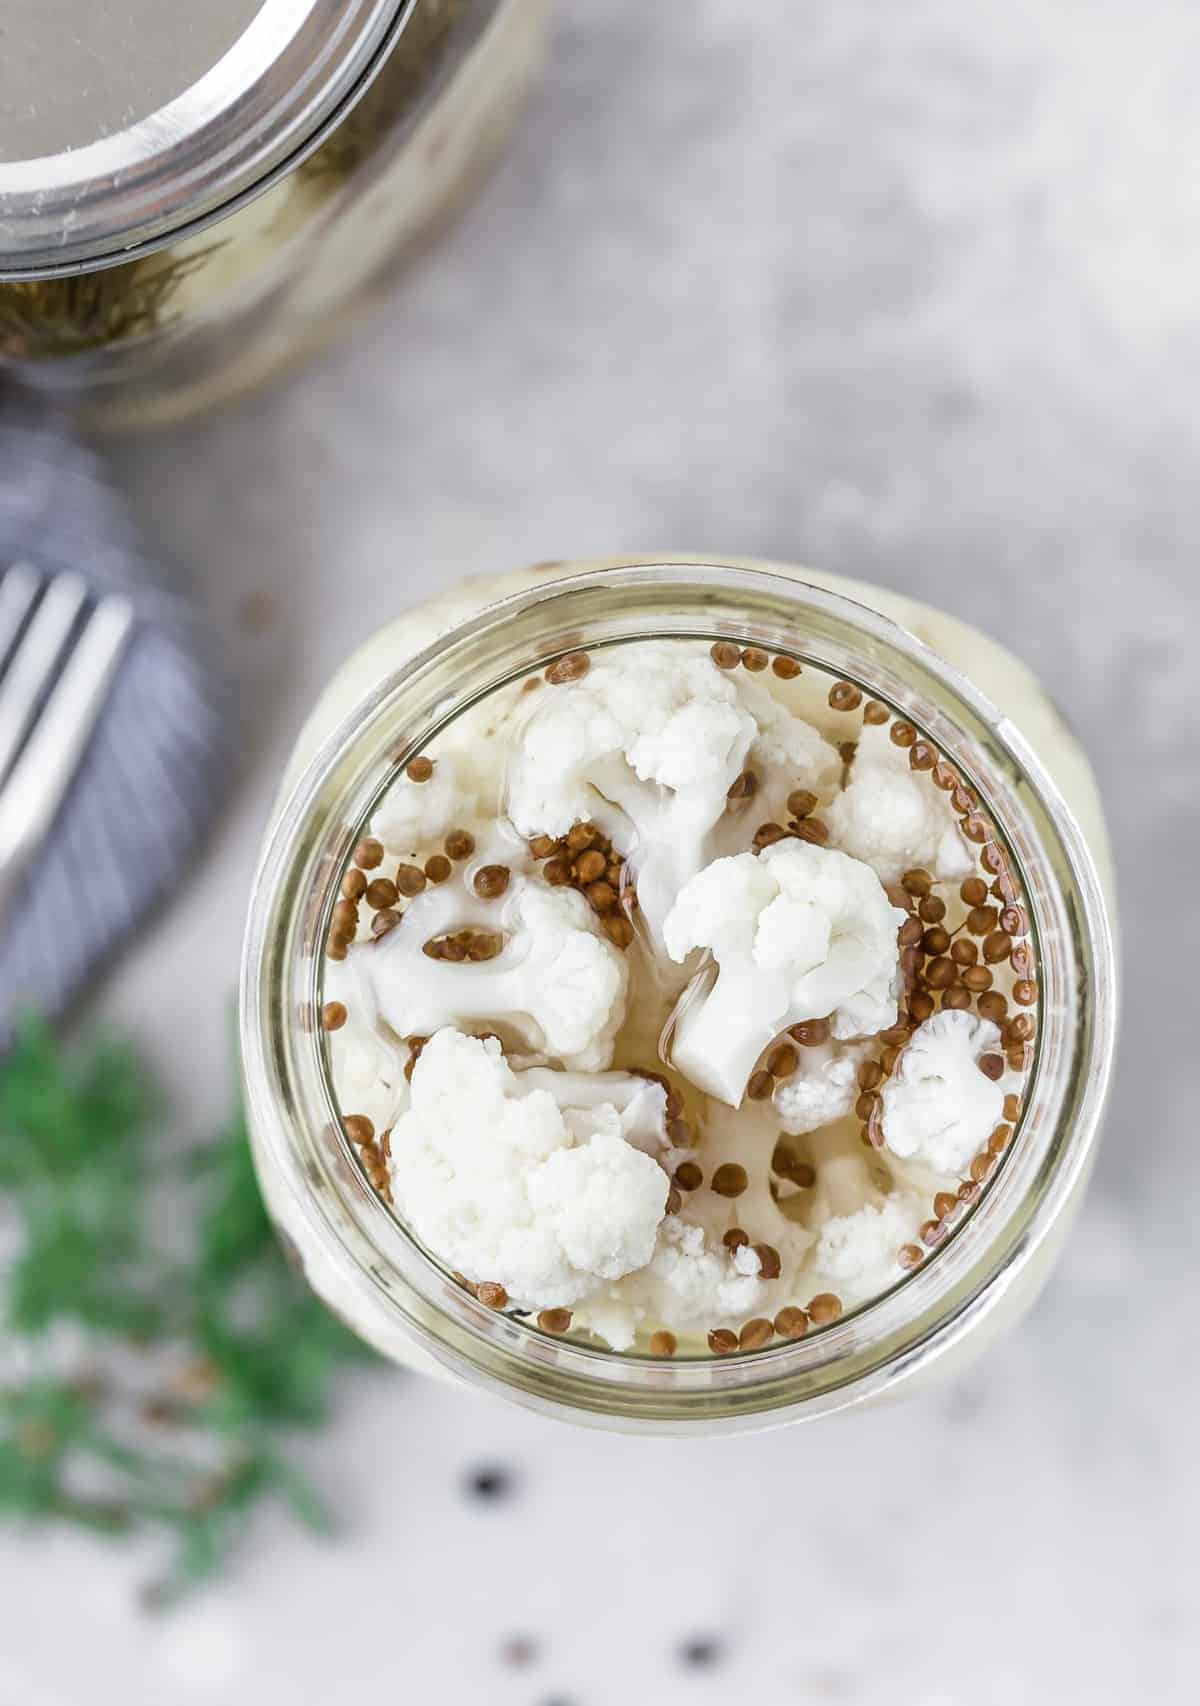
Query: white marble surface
[909, 290]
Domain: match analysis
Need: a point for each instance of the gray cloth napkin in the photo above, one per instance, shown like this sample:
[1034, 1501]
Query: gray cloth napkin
[153, 774]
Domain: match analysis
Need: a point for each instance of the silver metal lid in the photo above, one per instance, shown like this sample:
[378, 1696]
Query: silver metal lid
[124, 122]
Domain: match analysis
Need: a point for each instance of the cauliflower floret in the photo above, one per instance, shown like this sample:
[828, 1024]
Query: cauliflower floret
[798, 932]
[505, 1183]
[367, 1064]
[857, 1255]
[894, 819]
[646, 744]
[686, 1285]
[557, 983]
[823, 1088]
[938, 1107]
[412, 814]
[787, 753]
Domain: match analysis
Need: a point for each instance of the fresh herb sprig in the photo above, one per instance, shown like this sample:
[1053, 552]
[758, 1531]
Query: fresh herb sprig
[143, 1387]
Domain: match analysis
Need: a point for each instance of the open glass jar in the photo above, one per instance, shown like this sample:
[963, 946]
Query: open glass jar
[185, 211]
[1000, 733]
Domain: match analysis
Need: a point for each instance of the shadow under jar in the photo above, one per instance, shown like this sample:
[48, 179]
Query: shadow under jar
[1033, 814]
[184, 211]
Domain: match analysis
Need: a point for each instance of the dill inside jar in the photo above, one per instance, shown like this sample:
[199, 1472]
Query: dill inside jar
[179, 218]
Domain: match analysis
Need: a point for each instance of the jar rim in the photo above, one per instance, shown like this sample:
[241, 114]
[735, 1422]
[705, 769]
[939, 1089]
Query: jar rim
[930, 1310]
[269, 101]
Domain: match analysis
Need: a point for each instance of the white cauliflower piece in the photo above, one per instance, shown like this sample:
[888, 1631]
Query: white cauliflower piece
[938, 1107]
[786, 753]
[504, 1184]
[367, 1064]
[412, 814]
[856, 1255]
[798, 932]
[592, 1098]
[895, 819]
[646, 744]
[685, 1286]
[823, 1088]
[557, 983]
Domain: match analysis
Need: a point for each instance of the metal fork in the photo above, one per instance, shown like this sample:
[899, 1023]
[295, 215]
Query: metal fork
[58, 656]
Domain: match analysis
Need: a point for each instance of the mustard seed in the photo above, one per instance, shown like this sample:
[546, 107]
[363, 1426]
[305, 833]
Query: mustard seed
[974, 891]
[333, 1016]
[811, 829]
[572, 666]
[916, 882]
[382, 893]
[910, 933]
[438, 868]
[721, 1341]
[800, 802]
[601, 896]
[782, 1061]
[810, 1033]
[941, 973]
[910, 1256]
[590, 865]
[410, 880]
[962, 798]
[895, 1036]
[384, 921]
[541, 846]
[844, 696]
[981, 920]
[335, 948]
[903, 734]
[824, 1308]
[920, 1006]
[1018, 1058]
[998, 1141]
[760, 1086]
[354, 884]
[922, 756]
[1024, 992]
[345, 917]
[978, 979]
[968, 1191]
[936, 940]
[754, 659]
[875, 713]
[459, 844]
[944, 1203]
[492, 1296]
[770, 1264]
[688, 1176]
[865, 1106]
[964, 952]
[725, 654]
[369, 853]
[1021, 960]
[556, 871]
[957, 998]
[743, 787]
[729, 1180]
[735, 1239]
[932, 909]
[618, 929]
[993, 1006]
[1021, 1028]
[980, 1168]
[870, 1075]
[787, 669]
[1014, 922]
[358, 1128]
[491, 881]
[767, 834]
[976, 828]
[554, 1320]
[791, 1323]
[1012, 1107]
[945, 776]
[931, 1232]
[755, 1334]
[419, 770]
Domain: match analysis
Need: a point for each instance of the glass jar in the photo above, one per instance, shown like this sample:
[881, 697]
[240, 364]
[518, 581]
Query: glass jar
[988, 715]
[213, 207]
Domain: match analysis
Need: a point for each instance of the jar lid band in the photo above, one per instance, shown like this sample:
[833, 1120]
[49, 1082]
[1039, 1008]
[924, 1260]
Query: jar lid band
[123, 126]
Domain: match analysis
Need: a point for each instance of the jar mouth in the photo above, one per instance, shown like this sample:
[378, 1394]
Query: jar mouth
[886, 1339]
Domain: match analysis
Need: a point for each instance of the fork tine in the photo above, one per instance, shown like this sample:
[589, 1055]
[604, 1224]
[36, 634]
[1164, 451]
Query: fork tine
[32, 666]
[33, 791]
[18, 589]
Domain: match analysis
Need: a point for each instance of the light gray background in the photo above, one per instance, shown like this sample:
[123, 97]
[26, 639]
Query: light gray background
[907, 289]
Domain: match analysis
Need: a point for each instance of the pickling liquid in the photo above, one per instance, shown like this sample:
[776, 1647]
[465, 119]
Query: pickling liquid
[967, 943]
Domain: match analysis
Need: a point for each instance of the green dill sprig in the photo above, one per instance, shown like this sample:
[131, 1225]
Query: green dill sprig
[141, 1387]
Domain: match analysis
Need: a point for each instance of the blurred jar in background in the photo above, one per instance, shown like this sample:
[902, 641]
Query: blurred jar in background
[190, 202]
